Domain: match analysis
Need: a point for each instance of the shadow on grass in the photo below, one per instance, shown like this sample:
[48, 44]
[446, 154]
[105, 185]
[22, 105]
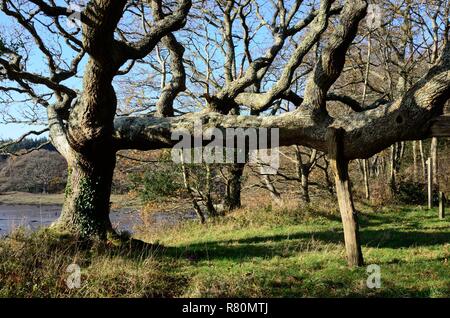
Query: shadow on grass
[285, 245]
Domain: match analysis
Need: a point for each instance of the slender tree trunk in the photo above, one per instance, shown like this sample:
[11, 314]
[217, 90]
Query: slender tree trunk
[303, 170]
[327, 177]
[422, 161]
[383, 165]
[208, 198]
[401, 153]
[233, 199]
[434, 160]
[430, 183]
[392, 175]
[236, 170]
[305, 186]
[276, 197]
[366, 178]
[414, 154]
[190, 191]
[366, 78]
[398, 158]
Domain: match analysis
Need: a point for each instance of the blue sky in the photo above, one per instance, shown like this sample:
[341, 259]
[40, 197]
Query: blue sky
[12, 131]
[37, 64]
[10, 33]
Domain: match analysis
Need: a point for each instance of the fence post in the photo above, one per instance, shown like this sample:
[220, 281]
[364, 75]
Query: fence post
[430, 183]
[442, 205]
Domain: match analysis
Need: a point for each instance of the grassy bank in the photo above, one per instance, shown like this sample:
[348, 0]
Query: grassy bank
[264, 252]
[26, 198]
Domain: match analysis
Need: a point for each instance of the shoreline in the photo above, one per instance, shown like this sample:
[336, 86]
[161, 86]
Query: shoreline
[57, 199]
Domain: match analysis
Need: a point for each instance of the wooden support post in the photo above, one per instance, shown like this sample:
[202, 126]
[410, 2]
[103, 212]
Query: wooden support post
[430, 183]
[442, 205]
[349, 216]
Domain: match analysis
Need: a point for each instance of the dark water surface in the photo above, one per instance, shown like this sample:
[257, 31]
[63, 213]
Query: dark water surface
[33, 217]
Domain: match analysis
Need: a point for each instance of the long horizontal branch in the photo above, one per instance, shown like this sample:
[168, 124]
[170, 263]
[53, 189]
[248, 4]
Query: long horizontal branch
[366, 133]
[154, 133]
[372, 132]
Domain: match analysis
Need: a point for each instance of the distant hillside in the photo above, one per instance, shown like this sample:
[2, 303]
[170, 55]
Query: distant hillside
[24, 145]
[27, 144]
[41, 171]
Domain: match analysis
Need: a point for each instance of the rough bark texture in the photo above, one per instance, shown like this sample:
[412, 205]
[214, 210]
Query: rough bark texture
[87, 198]
[85, 137]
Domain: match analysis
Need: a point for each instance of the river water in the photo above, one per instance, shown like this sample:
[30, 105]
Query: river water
[32, 217]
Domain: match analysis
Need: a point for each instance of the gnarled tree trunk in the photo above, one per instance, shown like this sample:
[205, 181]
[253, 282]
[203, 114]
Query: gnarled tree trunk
[87, 197]
[86, 142]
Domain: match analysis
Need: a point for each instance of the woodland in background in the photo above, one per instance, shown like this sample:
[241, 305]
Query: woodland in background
[153, 178]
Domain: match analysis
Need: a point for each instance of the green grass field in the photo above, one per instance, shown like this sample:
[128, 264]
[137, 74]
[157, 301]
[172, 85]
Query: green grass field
[265, 252]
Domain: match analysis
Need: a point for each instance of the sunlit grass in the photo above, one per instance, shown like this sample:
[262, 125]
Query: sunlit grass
[249, 253]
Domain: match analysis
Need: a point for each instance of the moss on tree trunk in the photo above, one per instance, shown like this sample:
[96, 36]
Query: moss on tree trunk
[86, 206]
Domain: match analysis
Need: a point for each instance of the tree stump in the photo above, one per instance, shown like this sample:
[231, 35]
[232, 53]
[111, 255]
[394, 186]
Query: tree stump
[349, 215]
